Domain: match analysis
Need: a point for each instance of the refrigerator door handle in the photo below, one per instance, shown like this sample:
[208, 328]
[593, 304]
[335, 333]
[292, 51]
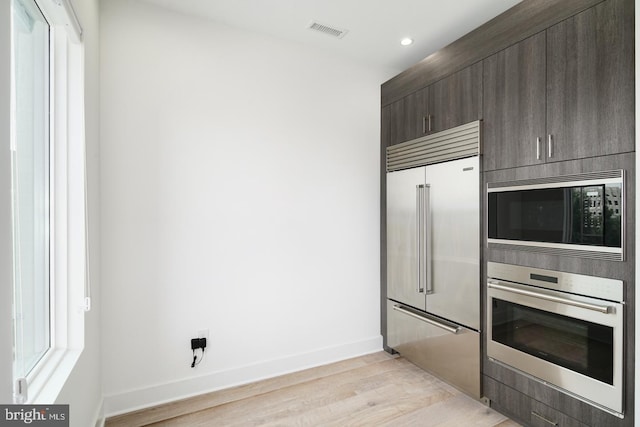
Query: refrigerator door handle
[423, 227]
[426, 259]
[419, 228]
[452, 329]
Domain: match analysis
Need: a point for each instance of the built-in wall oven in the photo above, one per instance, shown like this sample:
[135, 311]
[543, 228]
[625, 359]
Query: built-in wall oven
[577, 215]
[564, 329]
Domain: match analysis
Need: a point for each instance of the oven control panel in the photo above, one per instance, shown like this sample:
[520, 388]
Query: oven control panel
[579, 284]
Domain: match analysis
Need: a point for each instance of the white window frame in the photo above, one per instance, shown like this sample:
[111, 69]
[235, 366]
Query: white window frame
[69, 289]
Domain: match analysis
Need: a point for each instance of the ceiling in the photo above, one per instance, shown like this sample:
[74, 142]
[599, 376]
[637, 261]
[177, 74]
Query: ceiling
[375, 27]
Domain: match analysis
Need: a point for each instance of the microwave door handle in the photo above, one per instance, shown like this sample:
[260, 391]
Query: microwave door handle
[605, 309]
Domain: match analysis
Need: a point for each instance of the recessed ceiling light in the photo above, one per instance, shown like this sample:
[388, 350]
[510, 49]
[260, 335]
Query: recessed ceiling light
[406, 41]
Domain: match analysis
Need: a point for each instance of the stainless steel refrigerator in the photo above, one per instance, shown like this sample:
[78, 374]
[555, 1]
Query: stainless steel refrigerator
[433, 255]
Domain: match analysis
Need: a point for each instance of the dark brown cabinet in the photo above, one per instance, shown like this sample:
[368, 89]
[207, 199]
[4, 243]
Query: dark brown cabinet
[590, 82]
[450, 102]
[529, 411]
[565, 93]
[405, 119]
[456, 100]
[514, 108]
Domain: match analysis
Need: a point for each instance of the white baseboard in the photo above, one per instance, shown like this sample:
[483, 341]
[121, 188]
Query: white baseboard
[120, 403]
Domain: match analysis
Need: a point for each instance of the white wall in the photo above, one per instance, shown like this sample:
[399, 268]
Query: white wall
[238, 194]
[83, 389]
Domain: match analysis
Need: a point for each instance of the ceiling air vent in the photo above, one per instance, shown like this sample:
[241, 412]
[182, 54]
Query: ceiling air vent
[328, 29]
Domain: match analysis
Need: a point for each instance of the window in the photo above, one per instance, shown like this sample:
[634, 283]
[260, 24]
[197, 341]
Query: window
[30, 185]
[50, 286]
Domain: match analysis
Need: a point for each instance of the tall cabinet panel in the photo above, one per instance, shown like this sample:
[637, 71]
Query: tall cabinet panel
[590, 99]
[514, 107]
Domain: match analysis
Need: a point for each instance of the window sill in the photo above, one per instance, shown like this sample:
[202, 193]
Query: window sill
[45, 384]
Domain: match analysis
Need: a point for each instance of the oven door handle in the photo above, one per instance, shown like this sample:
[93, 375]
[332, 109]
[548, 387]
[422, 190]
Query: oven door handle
[605, 309]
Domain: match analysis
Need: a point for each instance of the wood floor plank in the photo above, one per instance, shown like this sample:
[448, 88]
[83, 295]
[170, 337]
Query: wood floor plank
[375, 390]
[299, 397]
[508, 423]
[369, 403]
[457, 411]
[186, 406]
[383, 410]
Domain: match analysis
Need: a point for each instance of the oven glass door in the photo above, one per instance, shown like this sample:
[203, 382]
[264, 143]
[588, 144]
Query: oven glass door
[572, 342]
[579, 345]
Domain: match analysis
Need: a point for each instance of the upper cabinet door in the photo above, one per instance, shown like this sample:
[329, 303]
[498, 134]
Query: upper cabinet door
[590, 90]
[514, 105]
[405, 119]
[392, 131]
[568, 97]
[456, 100]
[450, 102]
[416, 107]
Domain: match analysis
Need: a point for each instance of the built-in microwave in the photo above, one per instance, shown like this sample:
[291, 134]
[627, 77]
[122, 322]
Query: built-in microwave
[574, 215]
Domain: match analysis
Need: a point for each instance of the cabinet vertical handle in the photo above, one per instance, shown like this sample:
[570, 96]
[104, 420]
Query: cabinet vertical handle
[538, 148]
[550, 139]
[424, 124]
[430, 123]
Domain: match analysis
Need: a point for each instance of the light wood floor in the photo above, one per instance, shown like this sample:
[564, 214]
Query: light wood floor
[373, 390]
